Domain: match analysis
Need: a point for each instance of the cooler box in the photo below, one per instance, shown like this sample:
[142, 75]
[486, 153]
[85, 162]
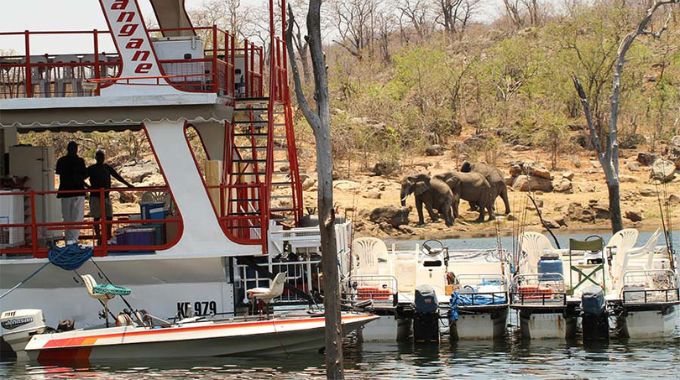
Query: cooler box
[550, 269]
[149, 234]
[136, 236]
[154, 210]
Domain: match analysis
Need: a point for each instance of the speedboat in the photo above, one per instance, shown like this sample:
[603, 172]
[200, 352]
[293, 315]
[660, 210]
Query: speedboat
[192, 337]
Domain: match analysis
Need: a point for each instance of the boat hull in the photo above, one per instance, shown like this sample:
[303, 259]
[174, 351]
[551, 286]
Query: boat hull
[534, 324]
[267, 337]
[649, 322]
[477, 325]
[388, 328]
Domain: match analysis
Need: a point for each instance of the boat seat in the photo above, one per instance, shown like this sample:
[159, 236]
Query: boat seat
[103, 293]
[91, 284]
[267, 294]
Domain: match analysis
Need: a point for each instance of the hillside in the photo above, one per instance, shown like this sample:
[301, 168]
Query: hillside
[503, 94]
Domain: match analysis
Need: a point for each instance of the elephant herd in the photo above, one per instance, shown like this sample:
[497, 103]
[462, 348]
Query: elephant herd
[479, 184]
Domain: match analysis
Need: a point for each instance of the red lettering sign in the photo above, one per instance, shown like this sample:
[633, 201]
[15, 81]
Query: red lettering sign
[126, 16]
[128, 30]
[120, 4]
[143, 68]
[141, 55]
[134, 43]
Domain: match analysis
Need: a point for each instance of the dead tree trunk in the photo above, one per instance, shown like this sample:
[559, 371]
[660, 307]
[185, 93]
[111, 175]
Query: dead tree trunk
[609, 154]
[320, 121]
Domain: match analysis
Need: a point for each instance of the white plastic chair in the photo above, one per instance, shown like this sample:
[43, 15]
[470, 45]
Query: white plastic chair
[267, 294]
[648, 249]
[534, 244]
[623, 241]
[367, 254]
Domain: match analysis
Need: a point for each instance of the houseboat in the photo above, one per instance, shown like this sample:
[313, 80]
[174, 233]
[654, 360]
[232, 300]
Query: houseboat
[216, 113]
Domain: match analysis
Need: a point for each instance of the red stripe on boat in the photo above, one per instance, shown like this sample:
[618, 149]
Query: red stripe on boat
[79, 355]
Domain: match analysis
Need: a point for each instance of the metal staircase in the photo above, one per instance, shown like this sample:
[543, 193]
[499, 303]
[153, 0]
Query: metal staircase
[261, 170]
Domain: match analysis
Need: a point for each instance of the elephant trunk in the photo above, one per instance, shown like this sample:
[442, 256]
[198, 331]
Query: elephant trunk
[404, 194]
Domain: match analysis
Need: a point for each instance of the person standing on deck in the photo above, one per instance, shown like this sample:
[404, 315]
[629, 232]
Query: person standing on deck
[72, 173]
[100, 178]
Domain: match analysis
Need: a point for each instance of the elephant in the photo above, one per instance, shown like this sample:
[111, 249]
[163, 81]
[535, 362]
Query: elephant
[494, 177]
[472, 187]
[432, 192]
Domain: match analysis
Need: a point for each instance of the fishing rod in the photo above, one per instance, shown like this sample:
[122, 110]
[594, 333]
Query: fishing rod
[545, 225]
[665, 225]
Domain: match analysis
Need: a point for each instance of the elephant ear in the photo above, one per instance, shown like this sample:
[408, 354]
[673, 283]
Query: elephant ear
[420, 187]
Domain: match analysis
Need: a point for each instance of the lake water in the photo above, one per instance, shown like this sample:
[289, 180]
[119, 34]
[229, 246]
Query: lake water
[510, 358]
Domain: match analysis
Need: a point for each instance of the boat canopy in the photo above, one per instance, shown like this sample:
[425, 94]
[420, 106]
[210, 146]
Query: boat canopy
[173, 18]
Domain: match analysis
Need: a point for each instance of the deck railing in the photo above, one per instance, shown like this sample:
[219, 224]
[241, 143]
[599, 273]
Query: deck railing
[85, 73]
[40, 231]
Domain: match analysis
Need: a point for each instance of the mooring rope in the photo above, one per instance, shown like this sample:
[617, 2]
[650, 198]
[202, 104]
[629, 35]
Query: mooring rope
[74, 260]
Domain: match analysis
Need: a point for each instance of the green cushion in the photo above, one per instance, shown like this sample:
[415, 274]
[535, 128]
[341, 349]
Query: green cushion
[110, 289]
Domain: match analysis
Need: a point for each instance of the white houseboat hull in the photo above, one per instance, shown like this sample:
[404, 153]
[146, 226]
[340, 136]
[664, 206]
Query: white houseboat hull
[481, 326]
[546, 325]
[658, 323]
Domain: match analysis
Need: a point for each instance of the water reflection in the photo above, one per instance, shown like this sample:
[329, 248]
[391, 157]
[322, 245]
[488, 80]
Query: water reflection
[472, 359]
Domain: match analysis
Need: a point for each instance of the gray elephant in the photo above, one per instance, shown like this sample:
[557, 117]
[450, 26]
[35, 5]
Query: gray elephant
[472, 187]
[433, 192]
[495, 179]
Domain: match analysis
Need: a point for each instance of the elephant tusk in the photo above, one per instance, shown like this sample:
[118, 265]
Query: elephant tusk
[403, 199]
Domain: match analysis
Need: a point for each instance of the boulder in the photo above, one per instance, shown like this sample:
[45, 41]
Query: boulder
[674, 146]
[633, 166]
[391, 215]
[647, 192]
[662, 170]
[563, 185]
[383, 168]
[407, 230]
[434, 150]
[529, 168]
[568, 175]
[673, 199]
[308, 183]
[346, 185]
[578, 213]
[372, 194]
[551, 223]
[138, 171]
[646, 159]
[634, 216]
[561, 221]
[531, 183]
[627, 179]
[601, 212]
[127, 197]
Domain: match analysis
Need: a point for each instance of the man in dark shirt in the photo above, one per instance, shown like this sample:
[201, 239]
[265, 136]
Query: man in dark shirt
[100, 178]
[72, 173]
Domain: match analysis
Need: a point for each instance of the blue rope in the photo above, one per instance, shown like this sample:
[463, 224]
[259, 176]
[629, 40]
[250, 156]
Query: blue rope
[70, 257]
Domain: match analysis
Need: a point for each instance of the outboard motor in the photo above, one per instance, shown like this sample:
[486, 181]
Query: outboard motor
[19, 327]
[426, 315]
[594, 316]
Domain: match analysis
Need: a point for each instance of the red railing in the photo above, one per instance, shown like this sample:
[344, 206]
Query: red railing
[166, 230]
[86, 73]
[251, 81]
[241, 212]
